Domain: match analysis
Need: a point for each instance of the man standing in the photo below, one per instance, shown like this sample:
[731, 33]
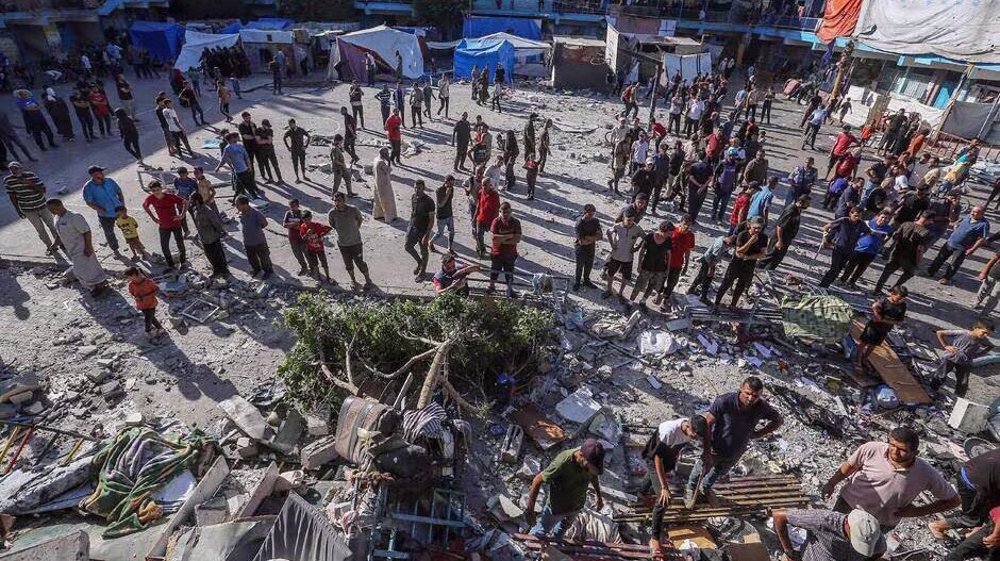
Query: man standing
[969, 234]
[830, 536]
[846, 232]
[253, 222]
[731, 423]
[801, 181]
[699, 177]
[445, 214]
[816, 119]
[350, 135]
[750, 244]
[444, 95]
[588, 231]
[416, 101]
[357, 106]
[292, 222]
[399, 102]
[167, 213]
[883, 479]
[906, 253]
[681, 244]
[297, 140]
[238, 159]
[461, 134]
[346, 220]
[654, 250]
[785, 230]
[506, 232]
[394, 132]
[340, 170]
[27, 196]
[887, 313]
[104, 195]
[176, 129]
[76, 239]
[568, 476]
[419, 232]
[529, 137]
[841, 148]
[959, 352]
[756, 169]
[622, 237]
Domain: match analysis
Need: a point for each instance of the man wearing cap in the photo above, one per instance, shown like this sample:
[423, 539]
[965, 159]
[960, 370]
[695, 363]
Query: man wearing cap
[75, 237]
[568, 477]
[663, 450]
[104, 195]
[830, 536]
[884, 478]
[27, 195]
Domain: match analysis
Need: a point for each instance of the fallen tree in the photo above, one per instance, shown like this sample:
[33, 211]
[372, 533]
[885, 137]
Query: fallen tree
[458, 345]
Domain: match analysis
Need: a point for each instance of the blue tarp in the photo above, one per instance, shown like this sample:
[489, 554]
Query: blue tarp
[162, 40]
[522, 27]
[484, 56]
[234, 27]
[271, 24]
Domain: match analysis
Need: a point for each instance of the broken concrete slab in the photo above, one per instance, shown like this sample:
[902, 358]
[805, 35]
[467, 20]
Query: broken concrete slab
[657, 343]
[504, 509]
[70, 547]
[112, 390]
[21, 398]
[246, 417]
[246, 447]
[317, 425]
[18, 384]
[968, 416]
[291, 429]
[319, 453]
[579, 407]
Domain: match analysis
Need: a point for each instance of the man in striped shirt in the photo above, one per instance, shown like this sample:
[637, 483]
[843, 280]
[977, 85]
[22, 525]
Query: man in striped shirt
[27, 194]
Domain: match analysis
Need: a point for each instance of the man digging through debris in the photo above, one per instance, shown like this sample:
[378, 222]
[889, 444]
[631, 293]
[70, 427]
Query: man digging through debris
[568, 476]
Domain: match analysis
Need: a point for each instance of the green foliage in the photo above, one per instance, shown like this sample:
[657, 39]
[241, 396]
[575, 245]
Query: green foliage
[493, 336]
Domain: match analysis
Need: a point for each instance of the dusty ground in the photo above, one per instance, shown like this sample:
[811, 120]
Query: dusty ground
[61, 334]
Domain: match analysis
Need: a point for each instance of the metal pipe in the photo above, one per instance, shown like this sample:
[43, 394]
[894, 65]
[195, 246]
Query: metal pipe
[49, 429]
[27, 436]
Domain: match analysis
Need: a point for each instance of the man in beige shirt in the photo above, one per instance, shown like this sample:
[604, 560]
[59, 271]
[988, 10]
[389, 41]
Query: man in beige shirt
[884, 479]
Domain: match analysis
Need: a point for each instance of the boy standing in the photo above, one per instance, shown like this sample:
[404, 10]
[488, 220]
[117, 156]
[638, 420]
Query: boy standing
[312, 234]
[963, 348]
[130, 230]
[622, 237]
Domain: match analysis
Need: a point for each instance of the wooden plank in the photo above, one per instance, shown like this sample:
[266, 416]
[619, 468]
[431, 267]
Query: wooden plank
[893, 371]
[544, 432]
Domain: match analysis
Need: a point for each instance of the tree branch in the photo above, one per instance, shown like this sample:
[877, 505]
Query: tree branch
[348, 386]
[402, 369]
[409, 337]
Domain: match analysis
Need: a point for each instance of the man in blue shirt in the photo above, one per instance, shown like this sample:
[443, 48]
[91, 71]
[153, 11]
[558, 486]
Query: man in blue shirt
[732, 423]
[238, 159]
[800, 181]
[104, 195]
[845, 233]
[760, 204]
[968, 236]
[849, 198]
[868, 247]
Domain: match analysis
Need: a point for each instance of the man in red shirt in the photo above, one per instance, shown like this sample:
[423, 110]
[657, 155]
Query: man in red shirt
[394, 131]
[681, 244]
[847, 165]
[713, 147]
[506, 232]
[486, 210]
[840, 148]
[168, 208]
[312, 234]
[659, 133]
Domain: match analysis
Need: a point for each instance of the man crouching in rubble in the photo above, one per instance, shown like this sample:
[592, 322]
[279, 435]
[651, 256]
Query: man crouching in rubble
[661, 454]
[568, 476]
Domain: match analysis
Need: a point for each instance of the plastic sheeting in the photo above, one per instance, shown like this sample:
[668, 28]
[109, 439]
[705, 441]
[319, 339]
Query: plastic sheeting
[234, 27]
[966, 119]
[271, 24]
[302, 533]
[485, 57]
[162, 40]
[269, 37]
[384, 42]
[839, 19]
[522, 27]
[688, 65]
[521, 45]
[863, 99]
[965, 31]
[196, 42]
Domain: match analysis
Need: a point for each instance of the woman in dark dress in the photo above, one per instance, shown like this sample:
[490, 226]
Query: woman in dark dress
[59, 111]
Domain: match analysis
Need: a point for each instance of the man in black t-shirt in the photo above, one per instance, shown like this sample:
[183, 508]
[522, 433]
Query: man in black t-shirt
[588, 231]
[910, 243]
[785, 231]
[699, 177]
[887, 313]
[654, 254]
[750, 246]
[445, 215]
[421, 218]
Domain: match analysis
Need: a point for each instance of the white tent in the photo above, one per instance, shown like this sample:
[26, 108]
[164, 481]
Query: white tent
[523, 47]
[195, 42]
[256, 41]
[384, 42]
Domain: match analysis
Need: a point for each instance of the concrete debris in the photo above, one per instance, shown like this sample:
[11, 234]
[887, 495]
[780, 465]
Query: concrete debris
[18, 385]
[606, 426]
[246, 417]
[112, 390]
[246, 447]
[319, 453]
[657, 343]
[579, 407]
[70, 547]
[968, 417]
[289, 432]
[289, 481]
[504, 509]
[317, 425]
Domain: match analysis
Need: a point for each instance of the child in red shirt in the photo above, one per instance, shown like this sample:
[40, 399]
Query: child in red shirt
[312, 234]
[740, 207]
[144, 290]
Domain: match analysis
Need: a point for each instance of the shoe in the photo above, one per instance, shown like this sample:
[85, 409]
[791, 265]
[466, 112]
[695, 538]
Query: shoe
[510, 292]
[588, 284]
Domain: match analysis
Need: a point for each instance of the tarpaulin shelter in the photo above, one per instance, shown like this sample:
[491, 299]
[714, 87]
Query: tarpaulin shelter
[484, 56]
[522, 46]
[234, 27]
[271, 24]
[578, 62]
[256, 41]
[839, 19]
[382, 42]
[162, 40]
[196, 42]
[963, 31]
[522, 27]
[689, 66]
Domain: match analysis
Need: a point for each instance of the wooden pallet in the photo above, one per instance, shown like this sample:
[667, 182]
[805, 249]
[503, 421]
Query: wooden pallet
[738, 496]
[595, 550]
[893, 372]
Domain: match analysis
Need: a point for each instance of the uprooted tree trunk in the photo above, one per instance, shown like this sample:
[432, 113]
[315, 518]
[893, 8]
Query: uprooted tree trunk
[437, 373]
